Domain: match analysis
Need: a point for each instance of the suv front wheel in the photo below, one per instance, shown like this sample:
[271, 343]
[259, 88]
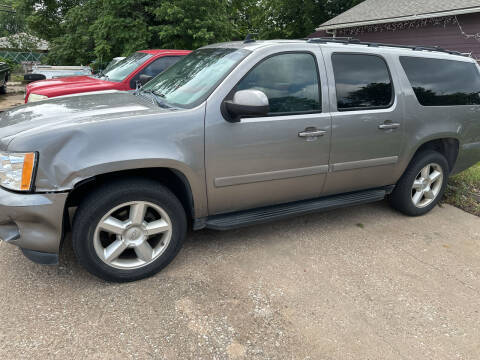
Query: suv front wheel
[128, 230]
[422, 185]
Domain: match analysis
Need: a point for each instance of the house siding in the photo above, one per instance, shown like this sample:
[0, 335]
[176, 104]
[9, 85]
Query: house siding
[445, 34]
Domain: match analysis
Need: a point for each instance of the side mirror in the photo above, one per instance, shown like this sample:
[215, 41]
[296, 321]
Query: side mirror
[145, 78]
[247, 103]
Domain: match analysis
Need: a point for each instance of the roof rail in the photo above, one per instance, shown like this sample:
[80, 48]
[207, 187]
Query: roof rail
[324, 40]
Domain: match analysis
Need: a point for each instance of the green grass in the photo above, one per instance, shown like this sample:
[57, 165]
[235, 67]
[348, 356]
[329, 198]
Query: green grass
[16, 77]
[463, 190]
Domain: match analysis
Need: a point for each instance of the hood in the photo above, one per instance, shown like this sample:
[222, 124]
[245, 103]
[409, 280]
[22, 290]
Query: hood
[55, 87]
[86, 108]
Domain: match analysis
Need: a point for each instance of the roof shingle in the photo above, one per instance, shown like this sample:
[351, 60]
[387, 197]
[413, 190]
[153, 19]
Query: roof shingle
[384, 11]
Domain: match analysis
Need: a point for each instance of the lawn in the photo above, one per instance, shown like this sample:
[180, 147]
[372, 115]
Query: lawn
[463, 190]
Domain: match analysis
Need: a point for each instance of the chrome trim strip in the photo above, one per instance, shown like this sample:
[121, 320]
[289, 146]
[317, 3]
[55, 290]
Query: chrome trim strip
[271, 175]
[351, 165]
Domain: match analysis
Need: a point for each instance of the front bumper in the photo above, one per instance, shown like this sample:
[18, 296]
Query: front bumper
[34, 222]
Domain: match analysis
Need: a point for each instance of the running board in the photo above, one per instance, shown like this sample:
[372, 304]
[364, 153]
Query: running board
[277, 212]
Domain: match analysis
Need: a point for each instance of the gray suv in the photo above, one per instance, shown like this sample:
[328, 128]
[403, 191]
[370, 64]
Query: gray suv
[232, 135]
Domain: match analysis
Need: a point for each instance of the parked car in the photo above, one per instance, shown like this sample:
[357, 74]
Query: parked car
[140, 66]
[4, 74]
[233, 135]
[42, 72]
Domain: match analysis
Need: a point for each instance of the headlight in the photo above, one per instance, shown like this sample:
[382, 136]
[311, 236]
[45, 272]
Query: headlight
[16, 170]
[36, 97]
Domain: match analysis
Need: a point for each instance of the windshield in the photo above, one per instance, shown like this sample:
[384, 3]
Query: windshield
[112, 64]
[191, 80]
[122, 69]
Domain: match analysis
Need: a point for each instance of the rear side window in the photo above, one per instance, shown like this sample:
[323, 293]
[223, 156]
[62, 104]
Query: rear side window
[290, 81]
[362, 81]
[438, 82]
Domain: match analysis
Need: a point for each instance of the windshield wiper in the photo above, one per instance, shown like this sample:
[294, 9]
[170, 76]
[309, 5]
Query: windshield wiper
[156, 96]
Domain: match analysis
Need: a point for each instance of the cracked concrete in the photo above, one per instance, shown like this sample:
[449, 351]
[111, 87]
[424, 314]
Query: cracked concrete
[358, 283]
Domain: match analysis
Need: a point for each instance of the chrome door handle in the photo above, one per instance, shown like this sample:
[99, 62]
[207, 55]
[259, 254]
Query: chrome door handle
[388, 126]
[311, 133]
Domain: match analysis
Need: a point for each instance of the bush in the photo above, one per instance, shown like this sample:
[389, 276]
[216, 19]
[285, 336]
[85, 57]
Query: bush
[10, 63]
[14, 67]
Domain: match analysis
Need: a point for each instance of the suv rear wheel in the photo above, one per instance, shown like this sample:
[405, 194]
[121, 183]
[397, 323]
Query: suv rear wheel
[422, 185]
[128, 230]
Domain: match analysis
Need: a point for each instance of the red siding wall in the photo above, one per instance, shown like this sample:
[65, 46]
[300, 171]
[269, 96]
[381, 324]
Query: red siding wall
[446, 36]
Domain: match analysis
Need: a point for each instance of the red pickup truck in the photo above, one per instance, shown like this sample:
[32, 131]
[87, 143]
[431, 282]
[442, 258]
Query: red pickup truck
[140, 66]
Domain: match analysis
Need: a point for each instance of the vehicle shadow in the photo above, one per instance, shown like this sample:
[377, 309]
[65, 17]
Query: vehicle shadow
[209, 245]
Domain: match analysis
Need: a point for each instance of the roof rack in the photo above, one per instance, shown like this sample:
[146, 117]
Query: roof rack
[324, 40]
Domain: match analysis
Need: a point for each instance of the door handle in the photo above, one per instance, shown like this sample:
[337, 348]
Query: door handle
[388, 125]
[308, 133]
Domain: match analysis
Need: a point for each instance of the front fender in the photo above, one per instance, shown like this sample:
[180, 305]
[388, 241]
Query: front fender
[77, 151]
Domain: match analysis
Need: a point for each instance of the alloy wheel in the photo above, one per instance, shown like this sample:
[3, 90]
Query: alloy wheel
[132, 235]
[427, 185]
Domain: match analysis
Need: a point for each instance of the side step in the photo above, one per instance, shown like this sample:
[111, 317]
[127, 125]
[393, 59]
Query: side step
[277, 212]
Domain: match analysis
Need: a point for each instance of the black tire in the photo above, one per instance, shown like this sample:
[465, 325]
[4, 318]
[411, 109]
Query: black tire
[3, 88]
[105, 198]
[401, 197]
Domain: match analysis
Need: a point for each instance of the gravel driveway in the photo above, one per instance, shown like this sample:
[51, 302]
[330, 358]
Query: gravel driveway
[358, 283]
[14, 97]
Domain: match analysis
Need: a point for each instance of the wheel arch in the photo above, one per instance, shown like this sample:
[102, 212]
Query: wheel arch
[175, 180]
[448, 146]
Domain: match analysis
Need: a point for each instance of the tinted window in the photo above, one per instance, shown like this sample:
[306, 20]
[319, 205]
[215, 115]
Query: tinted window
[290, 82]
[362, 81]
[439, 82]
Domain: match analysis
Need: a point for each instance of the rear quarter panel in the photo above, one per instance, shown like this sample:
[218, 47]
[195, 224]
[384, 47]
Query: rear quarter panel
[426, 123]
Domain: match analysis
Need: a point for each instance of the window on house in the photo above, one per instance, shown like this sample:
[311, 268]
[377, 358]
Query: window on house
[438, 82]
[361, 81]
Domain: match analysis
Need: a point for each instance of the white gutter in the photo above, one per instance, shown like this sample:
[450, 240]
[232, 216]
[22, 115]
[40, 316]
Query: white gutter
[397, 19]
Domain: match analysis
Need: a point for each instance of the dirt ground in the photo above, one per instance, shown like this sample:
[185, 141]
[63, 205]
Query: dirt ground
[358, 283]
[14, 96]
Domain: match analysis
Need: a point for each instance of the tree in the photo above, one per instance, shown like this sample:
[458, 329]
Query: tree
[81, 31]
[190, 24]
[103, 29]
[288, 19]
[121, 27]
[11, 21]
[76, 44]
[45, 17]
